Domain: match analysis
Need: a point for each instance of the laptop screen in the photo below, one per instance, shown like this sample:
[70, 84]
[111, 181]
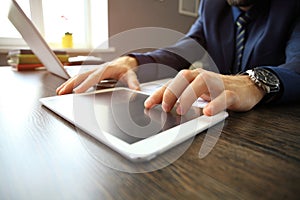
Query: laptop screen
[35, 40]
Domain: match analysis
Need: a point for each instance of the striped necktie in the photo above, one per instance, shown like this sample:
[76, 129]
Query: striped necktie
[241, 24]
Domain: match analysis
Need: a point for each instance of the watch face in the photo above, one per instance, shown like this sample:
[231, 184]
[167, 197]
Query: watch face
[267, 77]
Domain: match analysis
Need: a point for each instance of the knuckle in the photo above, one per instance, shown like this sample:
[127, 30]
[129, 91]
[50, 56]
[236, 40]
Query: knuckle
[205, 75]
[185, 72]
[200, 77]
[230, 94]
[231, 97]
[95, 76]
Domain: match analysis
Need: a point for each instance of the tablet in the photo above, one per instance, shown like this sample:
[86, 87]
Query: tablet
[117, 118]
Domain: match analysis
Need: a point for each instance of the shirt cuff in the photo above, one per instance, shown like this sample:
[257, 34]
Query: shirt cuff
[142, 58]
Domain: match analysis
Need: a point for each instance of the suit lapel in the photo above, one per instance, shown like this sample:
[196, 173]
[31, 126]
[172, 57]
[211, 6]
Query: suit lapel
[254, 36]
[226, 33]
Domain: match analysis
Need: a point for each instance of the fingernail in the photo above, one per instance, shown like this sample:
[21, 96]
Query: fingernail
[207, 110]
[61, 91]
[137, 88]
[165, 107]
[134, 85]
[180, 110]
[148, 103]
[75, 90]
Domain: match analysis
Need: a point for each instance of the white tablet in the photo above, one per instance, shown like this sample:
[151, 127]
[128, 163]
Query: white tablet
[117, 118]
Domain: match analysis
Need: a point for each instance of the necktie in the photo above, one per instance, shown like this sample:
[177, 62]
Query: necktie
[241, 24]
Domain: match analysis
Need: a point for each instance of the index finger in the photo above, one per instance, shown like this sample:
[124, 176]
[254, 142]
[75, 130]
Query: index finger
[90, 80]
[177, 87]
[68, 86]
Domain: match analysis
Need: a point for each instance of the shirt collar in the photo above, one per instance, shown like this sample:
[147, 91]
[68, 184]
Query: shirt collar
[253, 12]
[236, 12]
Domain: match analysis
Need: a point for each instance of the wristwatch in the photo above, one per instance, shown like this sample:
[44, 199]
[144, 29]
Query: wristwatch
[264, 79]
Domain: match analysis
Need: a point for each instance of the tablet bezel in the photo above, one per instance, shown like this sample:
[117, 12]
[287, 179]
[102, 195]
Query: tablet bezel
[148, 148]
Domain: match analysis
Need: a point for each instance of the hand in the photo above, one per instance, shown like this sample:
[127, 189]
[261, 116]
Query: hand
[237, 93]
[120, 69]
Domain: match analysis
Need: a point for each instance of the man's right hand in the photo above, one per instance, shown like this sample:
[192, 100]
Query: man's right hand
[120, 69]
[237, 93]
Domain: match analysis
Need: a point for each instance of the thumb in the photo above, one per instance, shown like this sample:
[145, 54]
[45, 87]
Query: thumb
[132, 80]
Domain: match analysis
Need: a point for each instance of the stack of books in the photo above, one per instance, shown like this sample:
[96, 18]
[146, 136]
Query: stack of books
[24, 59]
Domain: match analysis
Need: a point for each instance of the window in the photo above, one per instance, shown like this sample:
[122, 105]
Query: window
[87, 20]
[189, 7]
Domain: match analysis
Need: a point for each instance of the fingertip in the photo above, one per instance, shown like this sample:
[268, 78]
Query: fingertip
[166, 107]
[207, 110]
[57, 91]
[60, 91]
[136, 88]
[180, 110]
[134, 85]
[148, 103]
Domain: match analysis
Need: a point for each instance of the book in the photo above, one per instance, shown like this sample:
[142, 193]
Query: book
[31, 59]
[24, 59]
[28, 51]
[23, 67]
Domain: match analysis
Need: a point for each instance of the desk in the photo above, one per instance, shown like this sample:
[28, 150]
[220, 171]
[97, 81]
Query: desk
[42, 156]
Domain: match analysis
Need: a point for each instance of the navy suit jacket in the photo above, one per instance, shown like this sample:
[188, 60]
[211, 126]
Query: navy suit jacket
[273, 42]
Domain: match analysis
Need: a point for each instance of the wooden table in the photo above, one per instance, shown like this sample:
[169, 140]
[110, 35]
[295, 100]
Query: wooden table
[42, 156]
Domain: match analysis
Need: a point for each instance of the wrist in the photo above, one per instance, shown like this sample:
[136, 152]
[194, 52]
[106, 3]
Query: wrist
[244, 84]
[131, 62]
[258, 91]
[247, 93]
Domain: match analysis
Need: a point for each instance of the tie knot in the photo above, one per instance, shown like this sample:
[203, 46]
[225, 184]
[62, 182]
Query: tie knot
[243, 19]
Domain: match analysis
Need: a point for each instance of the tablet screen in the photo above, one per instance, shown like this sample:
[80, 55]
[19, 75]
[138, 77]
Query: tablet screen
[122, 114]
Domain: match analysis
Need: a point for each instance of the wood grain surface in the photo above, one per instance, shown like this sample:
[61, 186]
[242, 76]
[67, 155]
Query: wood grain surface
[257, 155]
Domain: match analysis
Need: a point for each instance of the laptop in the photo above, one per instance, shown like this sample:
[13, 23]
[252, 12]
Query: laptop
[39, 46]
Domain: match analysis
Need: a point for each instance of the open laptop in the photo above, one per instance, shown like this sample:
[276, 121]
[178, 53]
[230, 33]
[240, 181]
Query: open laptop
[42, 50]
[38, 45]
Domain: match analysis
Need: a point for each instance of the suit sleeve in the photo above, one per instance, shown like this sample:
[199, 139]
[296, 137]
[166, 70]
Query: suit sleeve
[289, 72]
[181, 55]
